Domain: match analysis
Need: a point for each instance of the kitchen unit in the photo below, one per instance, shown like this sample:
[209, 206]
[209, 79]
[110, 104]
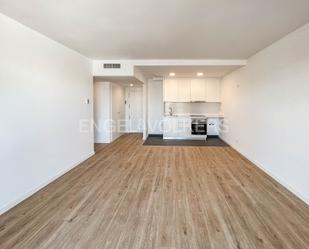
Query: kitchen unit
[185, 127]
[195, 97]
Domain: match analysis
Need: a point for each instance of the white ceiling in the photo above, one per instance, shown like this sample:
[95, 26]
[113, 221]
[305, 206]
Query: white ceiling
[186, 71]
[162, 29]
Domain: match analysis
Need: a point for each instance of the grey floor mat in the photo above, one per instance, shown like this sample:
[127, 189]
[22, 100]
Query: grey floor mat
[158, 140]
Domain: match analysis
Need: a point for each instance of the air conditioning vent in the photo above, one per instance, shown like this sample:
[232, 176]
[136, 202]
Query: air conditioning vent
[111, 65]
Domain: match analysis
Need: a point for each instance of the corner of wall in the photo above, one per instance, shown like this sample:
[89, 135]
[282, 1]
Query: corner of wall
[31, 192]
[305, 199]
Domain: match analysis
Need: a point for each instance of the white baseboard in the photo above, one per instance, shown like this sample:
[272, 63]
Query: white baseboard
[276, 178]
[26, 195]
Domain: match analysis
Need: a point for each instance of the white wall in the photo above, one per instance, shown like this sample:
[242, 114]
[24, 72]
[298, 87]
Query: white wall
[155, 106]
[145, 110]
[266, 105]
[127, 68]
[43, 88]
[102, 112]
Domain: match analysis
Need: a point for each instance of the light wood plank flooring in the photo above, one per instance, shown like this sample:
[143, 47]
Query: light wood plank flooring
[143, 197]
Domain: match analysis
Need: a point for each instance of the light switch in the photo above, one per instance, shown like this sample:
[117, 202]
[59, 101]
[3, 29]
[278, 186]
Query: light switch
[87, 101]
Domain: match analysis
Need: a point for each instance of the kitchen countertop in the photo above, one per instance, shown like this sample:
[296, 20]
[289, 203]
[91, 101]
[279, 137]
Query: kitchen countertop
[179, 115]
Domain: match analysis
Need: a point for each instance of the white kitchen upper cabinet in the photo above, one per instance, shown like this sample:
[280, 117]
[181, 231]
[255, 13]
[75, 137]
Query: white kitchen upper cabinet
[184, 90]
[198, 90]
[170, 90]
[213, 90]
[191, 90]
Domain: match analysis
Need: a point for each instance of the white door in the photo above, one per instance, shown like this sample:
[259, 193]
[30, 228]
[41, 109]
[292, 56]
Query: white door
[118, 111]
[134, 108]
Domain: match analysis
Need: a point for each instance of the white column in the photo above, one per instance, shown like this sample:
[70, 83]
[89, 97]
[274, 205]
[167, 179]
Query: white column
[145, 110]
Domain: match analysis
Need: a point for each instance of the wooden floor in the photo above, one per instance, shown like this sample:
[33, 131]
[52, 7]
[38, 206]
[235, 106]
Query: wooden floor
[142, 197]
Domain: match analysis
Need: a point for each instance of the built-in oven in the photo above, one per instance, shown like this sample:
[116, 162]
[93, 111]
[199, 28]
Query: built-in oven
[199, 126]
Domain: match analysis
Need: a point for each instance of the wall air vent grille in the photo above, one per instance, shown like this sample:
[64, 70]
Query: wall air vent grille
[111, 65]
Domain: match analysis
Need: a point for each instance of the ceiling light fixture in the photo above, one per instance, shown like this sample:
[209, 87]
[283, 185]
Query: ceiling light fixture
[131, 85]
[200, 74]
[172, 74]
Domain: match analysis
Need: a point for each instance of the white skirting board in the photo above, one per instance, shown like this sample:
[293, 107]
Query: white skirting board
[303, 198]
[18, 200]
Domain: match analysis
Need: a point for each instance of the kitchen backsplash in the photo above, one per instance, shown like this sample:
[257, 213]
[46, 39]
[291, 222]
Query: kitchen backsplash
[194, 108]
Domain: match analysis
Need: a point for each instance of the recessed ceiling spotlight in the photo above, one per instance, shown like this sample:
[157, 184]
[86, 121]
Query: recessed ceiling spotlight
[200, 74]
[172, 74]
[131, 85]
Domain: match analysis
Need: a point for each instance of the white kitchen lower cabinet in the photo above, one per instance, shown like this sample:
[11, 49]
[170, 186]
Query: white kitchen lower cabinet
[213, 126]
[180, 128]
[176, 127]
[169, 127]
[184, 127]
